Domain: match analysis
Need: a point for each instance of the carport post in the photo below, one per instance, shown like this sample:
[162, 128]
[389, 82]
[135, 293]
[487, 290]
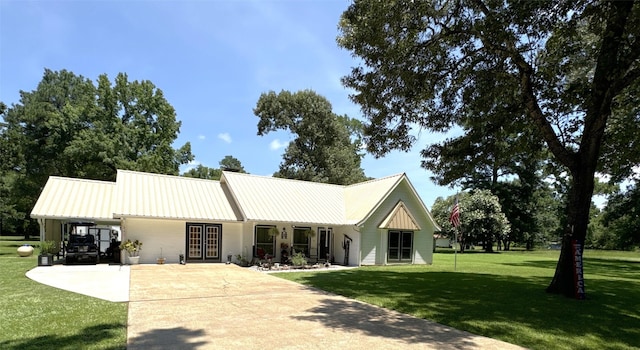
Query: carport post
[41, 223]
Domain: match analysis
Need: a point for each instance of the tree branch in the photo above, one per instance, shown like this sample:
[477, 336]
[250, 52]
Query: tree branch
[509, 51]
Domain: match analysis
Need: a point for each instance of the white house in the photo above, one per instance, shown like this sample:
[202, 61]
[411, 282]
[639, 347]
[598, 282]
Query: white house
[377, 222]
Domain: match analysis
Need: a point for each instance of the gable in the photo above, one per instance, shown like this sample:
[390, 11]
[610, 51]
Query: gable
[400, 218]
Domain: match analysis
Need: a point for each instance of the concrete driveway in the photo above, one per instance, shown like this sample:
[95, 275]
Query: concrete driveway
[217, 306]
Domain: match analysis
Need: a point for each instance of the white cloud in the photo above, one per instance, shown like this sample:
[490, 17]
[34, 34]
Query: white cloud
[201, 137]
[276, 145]
[225, 137]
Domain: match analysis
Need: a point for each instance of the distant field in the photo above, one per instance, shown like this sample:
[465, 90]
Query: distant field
[501, 295]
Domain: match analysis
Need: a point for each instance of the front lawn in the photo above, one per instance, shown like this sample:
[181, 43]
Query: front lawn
[502, 296]
[35, 316]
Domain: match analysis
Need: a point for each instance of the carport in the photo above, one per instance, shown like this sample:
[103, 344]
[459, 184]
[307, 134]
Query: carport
[92, 203]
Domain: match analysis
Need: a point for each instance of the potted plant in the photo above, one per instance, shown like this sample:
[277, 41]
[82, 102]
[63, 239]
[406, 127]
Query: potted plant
[273, 231]
[133, 250]
[45, 258]
[299, 260]
[161, 259]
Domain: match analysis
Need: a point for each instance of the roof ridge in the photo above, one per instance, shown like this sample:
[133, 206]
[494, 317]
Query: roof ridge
[376, 179]
[167, 175]
[283, 179]
[82, 180]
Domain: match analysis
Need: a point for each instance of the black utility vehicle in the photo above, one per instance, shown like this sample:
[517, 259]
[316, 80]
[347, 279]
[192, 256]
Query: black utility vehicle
[81, 245]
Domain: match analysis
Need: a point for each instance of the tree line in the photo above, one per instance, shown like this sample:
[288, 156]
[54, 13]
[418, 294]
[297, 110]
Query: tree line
[72, 127]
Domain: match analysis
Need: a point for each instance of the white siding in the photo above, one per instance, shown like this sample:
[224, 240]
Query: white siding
[374, 240]
[170, 235]
[155, 234]
[338, 251]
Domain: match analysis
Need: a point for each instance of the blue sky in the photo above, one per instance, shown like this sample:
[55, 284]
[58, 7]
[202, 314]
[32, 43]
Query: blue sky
[211, 59]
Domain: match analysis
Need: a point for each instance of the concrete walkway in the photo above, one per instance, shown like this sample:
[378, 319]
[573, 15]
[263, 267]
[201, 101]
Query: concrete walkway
[216, 306]
[108, 282]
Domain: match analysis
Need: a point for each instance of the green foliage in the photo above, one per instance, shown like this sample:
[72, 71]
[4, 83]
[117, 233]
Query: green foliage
[621, 221]
[132, 247]
[47, 247]
[298, 259]
[323, 149]
[70, 127]
[481, 218]
[565, 73]
[481, 296]
[203, 172]
[230, 163]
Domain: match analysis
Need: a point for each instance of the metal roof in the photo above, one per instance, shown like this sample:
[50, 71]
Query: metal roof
[363, 197]
[274, 199]
[69, 198]
[236, 197]
[172, 197]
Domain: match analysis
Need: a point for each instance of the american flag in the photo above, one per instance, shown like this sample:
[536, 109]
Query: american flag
[454, 218]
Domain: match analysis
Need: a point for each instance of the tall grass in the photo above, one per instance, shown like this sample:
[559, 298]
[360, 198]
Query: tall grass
[502, 296]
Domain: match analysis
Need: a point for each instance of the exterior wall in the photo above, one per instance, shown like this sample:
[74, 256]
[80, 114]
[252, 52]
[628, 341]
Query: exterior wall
[170, 236]
[374, 240]
[53, 232]
[247, 241]
[354, 247]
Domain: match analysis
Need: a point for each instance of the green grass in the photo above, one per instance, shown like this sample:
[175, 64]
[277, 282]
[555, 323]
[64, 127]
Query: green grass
[35, 316]
[502, 296]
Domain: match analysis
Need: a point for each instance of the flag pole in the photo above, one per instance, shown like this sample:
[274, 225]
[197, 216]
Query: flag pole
[454, 218]
[455, 250]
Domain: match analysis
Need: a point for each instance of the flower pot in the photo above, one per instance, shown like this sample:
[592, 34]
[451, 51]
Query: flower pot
[45, 260]
[25, 250]
[160, 261]
[133, 260]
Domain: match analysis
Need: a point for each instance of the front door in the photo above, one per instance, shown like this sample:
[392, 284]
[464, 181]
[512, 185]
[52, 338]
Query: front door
[203, 241]
[324, 244]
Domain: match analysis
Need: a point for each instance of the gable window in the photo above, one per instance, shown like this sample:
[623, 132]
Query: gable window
[265, 241]
[400, 246]
[301, 240]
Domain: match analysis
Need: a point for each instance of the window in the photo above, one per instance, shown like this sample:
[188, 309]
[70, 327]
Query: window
[400, 246]
[265, 242]
[301, 240]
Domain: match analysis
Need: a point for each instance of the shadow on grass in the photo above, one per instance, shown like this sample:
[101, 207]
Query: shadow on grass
[172, 338]
[510, 308]
[85, 338]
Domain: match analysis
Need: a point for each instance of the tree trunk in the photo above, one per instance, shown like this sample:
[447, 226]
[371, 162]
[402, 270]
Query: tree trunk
[569, 271]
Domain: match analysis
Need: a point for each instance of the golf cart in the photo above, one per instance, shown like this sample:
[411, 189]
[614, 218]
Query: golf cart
[80, 245]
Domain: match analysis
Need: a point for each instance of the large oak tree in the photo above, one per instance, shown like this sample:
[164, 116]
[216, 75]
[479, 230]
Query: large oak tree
[326, 147]
[570, 67]
[69, 126]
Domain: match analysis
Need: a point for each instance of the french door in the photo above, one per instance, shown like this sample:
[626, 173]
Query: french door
[203, 241]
